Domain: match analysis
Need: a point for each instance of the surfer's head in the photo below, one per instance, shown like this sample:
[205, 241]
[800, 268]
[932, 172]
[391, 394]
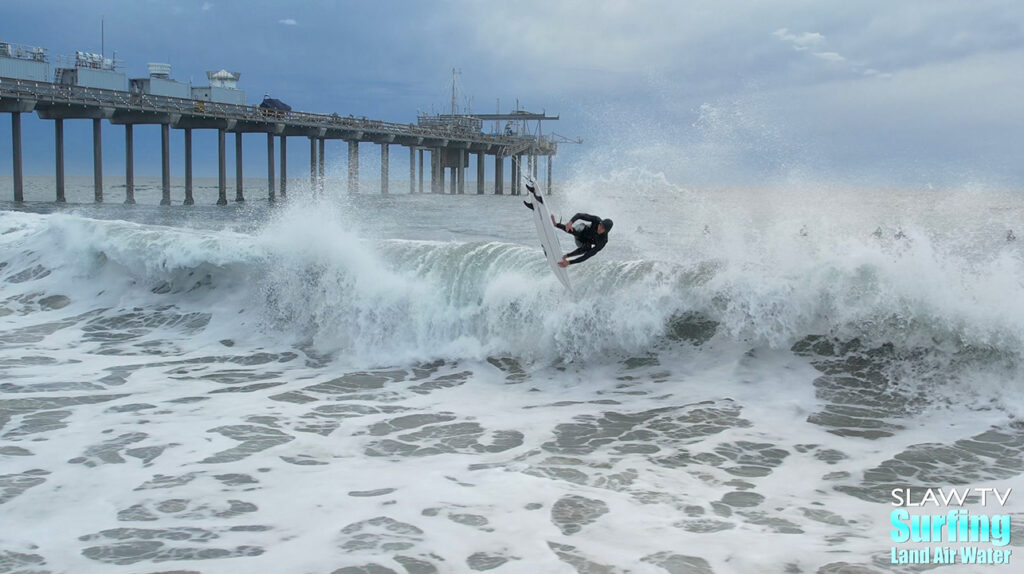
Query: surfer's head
[605, 226]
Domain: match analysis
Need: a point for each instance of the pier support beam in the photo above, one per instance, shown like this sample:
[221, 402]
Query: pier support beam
[353, 166]
[517, 185]
[312, 164]
[460, 166]
[129, 164]
[421, 170]
[454, 183]
[480, 173]
[412, 170]
[165, 163]
[433, 172]
[222, 169]
[270, 167]
[284, 167]
[238, 168]
[514, 184]
[97, 159]
[320, 165]
[548, 186]
[19, 182]
[438, 156]
[499, 175]
[58, 141]
[189, 200]
[384, 168]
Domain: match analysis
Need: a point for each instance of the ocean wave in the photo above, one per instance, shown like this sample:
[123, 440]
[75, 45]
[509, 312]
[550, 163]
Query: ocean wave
[393, 301]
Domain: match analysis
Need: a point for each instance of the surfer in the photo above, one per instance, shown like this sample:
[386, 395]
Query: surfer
[590, 233]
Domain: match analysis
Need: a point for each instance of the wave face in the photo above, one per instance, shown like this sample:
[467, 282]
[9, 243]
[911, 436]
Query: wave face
[307, 277]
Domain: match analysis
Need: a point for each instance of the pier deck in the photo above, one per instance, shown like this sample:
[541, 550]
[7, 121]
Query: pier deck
[449, 147]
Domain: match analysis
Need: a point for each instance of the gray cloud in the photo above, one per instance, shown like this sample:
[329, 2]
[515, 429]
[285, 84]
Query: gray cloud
[800, 42]
[841, 86]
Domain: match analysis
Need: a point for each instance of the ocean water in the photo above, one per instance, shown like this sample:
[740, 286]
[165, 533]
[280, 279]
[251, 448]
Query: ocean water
[367, 384]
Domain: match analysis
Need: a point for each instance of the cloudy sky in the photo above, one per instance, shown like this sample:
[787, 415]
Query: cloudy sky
[718, 92]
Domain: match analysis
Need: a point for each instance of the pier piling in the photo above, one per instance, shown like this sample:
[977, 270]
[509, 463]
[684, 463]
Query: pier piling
[499, 175]
[270, 167]
[189, 200]
[165, 164]
[19, 183]
[460, 166]
[222, 169]
[238, 168]
[480, 165]
[440, 170]
[284, 166]
[384, 160]
[412, 170]
[353, 166]
[421, 170]
[312, 164]
[129, 164]
[514, 184]
[58, 142]
[436, 174]
[97, 159]
[320, 173]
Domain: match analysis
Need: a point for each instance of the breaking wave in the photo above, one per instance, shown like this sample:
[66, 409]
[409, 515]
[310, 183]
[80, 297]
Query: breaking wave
[393, 301]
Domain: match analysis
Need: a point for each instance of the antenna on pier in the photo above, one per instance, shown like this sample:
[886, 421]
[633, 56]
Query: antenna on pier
[455, 73]
[103, 37]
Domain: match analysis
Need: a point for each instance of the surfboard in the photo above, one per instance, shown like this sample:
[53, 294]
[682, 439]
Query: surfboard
[548, 239]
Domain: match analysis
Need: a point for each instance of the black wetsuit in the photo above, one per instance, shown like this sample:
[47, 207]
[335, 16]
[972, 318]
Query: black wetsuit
[588, 240]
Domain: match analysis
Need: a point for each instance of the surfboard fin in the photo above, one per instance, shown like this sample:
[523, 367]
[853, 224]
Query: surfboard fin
[528, 204]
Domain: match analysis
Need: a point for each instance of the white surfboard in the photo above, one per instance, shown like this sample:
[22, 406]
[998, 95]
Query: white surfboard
[548, 239]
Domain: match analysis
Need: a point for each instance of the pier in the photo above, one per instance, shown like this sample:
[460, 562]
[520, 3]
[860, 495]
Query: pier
[448, 142]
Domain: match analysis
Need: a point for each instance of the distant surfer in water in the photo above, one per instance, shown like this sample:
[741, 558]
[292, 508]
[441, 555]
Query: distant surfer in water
[590, 232]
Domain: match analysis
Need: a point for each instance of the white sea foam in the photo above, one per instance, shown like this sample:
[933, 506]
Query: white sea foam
[336, 389]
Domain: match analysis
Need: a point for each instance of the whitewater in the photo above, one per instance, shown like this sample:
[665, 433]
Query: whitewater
[372, 384]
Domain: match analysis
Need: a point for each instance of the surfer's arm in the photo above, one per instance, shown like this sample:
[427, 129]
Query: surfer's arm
[593, 219]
